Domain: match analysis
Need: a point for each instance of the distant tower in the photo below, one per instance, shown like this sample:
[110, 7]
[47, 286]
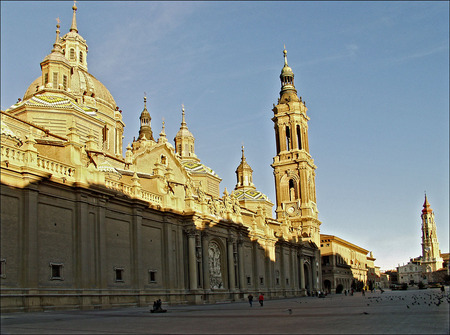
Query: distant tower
[293, 166]
[146, 129]
[245, 191]
[431, 255]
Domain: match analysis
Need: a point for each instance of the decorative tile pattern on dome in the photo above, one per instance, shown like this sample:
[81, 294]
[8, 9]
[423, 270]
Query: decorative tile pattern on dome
[250, 195]
[197, 167]
[52, 101]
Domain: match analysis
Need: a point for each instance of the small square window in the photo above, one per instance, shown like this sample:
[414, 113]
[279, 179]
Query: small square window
[249, 280]
[56, 271]
[3, 268]
[152, 276]
[118, 273]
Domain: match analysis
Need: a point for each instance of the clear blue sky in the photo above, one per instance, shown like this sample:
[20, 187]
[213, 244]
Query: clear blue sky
[374, 75]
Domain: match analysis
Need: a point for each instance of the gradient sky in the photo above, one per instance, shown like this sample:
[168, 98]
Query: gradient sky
[374, 75]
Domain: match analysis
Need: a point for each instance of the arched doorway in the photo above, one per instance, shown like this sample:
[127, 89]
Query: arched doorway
[308, 278]
[327, 286]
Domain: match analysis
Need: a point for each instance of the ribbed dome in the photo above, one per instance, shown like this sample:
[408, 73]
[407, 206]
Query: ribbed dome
[81, 82]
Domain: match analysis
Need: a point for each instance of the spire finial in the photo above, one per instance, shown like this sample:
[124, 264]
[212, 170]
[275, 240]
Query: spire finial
[242, 149]
[57, 29]
[285, 56]
[183, 121]
[74, 18]
[145, 100]
[57, 45]
[162, 134]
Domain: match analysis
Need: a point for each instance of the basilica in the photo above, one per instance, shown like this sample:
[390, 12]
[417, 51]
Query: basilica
[87, 224]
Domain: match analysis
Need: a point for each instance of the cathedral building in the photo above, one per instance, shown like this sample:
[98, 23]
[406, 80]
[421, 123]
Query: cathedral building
[85, 225]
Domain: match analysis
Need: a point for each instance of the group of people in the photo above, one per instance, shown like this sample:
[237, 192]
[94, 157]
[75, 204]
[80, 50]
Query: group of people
[260, 299]
[157, 307]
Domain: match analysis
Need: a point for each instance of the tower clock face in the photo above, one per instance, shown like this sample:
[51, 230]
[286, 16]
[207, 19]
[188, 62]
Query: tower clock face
[291, 210]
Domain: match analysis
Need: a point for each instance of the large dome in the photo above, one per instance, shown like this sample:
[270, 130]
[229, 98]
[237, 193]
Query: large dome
[83, 83]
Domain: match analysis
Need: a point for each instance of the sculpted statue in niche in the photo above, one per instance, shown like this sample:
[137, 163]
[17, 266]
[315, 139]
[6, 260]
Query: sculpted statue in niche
[215, 271]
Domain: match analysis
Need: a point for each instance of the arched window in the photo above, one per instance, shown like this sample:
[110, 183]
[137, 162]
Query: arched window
[288, 139]
[291, 190]
[299, 137]
[277, 139]
[81, 57]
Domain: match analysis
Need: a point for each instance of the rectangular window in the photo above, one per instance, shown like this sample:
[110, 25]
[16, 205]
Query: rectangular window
[65, 82]
[3, 268]
[55, 79]
[56, 271]
[287, 281]
[278, 281]
[249, 281]
[152, 276]
[46, 79]
[118, 272]
[261, 280]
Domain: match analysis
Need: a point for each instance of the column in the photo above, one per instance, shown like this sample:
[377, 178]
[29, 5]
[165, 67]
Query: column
[283, 268]
[231, 273]
[314, 273]
[192, 260]
[302, 273]
[205, 248]
[255, 274]
[240, 246]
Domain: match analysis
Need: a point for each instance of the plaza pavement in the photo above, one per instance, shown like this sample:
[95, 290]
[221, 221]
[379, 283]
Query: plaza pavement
[391, 312]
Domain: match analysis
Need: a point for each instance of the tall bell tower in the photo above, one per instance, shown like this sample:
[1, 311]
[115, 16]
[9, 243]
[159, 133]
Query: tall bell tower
[431, 255]
[293, 166]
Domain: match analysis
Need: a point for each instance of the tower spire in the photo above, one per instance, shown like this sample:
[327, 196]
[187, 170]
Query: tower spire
[74, 18]
[183, 118]
[184, 140]
[426, 206]
[286, 76]
[145, 118]
[57, 44]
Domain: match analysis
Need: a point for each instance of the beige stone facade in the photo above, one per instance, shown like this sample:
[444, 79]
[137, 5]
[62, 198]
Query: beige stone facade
[84, 225]
[344, 263]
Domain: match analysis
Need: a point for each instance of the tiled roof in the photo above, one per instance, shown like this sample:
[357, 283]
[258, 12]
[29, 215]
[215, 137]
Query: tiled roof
[250, 195]
[52, 101]
[197, 167]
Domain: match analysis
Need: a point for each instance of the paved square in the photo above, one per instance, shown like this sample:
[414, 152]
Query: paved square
[391, 312]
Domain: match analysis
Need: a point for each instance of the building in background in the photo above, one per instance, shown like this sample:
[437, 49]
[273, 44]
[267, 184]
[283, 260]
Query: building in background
[84, 225]
[346, 265]
[432, 265]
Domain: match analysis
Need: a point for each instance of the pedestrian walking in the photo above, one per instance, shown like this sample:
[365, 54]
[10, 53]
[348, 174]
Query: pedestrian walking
[261, 299]
[250, 299]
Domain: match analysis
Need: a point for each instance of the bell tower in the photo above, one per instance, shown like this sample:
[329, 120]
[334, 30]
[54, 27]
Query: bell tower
[431, 255]
[293, 166]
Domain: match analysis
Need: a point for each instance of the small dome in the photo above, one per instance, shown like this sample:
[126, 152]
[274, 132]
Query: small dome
[287, 71]
[57, 56]
[184, 132]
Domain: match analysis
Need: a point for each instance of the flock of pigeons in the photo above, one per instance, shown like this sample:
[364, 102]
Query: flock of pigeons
[429, 299]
